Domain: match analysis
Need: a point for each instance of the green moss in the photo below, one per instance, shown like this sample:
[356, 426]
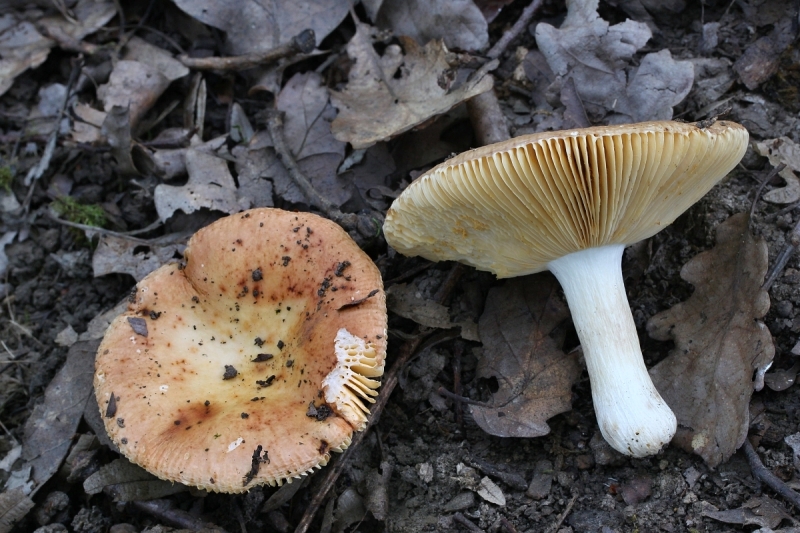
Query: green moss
[89, 215]
[6, 177]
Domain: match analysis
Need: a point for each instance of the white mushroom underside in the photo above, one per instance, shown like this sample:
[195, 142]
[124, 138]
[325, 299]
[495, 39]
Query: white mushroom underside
[632, 416]
[348, 385]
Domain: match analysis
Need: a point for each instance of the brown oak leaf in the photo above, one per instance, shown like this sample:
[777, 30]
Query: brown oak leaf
[389, 94]
[707, 379]
[535, 377]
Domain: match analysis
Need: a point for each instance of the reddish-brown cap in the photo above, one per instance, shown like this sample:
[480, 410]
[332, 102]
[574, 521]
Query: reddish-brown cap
[252, 362]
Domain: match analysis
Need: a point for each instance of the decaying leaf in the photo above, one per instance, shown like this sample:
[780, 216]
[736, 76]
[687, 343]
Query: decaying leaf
[14, 505]
[126, 482]
[403, 300]
[535, 377]
[259, 26]
[308, 115]
[786, 151]
[598, 57]
[761, 511]
[124, 256]
[51, 427]
[133, 85]
[707, 379]
[210, 186]
[389, 94]
[466, 27]
[23, 47]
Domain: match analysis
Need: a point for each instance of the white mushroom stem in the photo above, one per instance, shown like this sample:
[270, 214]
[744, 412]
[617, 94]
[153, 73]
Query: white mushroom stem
[632, 416]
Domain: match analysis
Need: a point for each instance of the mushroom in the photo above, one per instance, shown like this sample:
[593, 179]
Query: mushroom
[570, 202]
[251, 362]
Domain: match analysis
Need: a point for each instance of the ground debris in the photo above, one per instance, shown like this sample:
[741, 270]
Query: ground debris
[720, 341]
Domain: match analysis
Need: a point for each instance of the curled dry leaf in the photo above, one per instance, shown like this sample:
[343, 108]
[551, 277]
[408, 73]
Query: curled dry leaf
[598, 57]
[707, 379]
[389, 94]
[14, 505]
[403, 300]
[466, 27]
[761, 511]
[124, 256]
[127, 482]
[782, 150]
[535, 377]
[260, 26]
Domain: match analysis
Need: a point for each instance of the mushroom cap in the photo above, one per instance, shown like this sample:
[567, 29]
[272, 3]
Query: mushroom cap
[252, 362]
[512, 207]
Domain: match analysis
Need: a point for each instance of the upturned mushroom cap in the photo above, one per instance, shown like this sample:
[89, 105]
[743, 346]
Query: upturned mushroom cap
[513, 207]
[251, 363]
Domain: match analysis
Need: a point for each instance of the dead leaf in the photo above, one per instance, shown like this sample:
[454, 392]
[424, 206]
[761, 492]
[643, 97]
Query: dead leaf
[308, 115]
[133, 85]
[22, 47]
[14, 505]
[51, 427]
[598, 57]
[465, 29]
[535, 377]
[6, 239]
[124, 256]
[707, 379]
[140, 50]
[389, 94]
[259, 26]
[126, 482]
[782, 150]
[210, 186]
[404, 300]
[782, 379]
[489, 491]
[760, 60]
[761, 511]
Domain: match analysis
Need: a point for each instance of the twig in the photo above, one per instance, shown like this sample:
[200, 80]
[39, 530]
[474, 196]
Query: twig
[366, 225]
[458, 351]
[771, 480]
[302, 43]
[792, 243]
[461, 519]
[441, 391]
[772, 173]
[515, 481]
[129, 235]
[507, 525]
[163, 510]
[390, 381]
[518, 27]
[563, 515]
[39, 168]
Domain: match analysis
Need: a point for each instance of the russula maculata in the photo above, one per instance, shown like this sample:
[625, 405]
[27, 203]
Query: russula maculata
[253, 361]
[570, 202]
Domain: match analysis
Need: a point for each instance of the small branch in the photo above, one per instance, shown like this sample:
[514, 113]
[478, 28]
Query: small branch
[464, 521]
[302, 43]
[518, 27]
[163, 510]
[772, 173]
[367, 225]
[771, 480]
[102, 231]
[441, 391]
[792, 243]
[563, 515]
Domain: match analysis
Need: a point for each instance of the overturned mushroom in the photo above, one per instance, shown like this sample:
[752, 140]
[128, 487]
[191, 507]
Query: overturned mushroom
[215, 365]
[570, 202]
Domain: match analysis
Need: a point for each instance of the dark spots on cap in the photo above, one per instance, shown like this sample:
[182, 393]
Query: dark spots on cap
[258, 341]
[340, 268]
[138, 325]
[323, 447]
[318, 412]
[280, 345]
[196, 299]
[177, 422]
[111, 410]
[245, 415]
[257, 275]
[258, 459]
[290, 363]
[265, 382]
[260, 358]
[285, 259]
[121, 422]
[124, 440]
[230, 372]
